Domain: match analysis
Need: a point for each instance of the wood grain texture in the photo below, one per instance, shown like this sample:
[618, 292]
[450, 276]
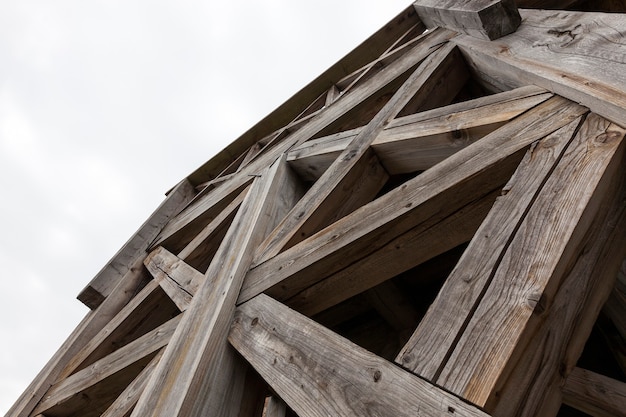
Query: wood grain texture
[430, 197]
[399, 255]
[435, 338]
[126, 401]
[203, 246]
[71, 387]
[553, 349]
[198, 375]
[535, 262]
[418, 142]
[330, 193]
[318, 373]
[134, 250]
[485, 19]
[577, 55]
[94, 322]
[202, 210]
[179, 281]
[595, 394]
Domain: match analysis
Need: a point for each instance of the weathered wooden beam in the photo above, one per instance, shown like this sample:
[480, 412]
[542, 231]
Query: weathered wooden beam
[485, 19]
[198, 356]
[417, 142]
[576, 55]
[398, 255]
[203, 246]
[548, 238]
[318, 373]
[134, 250]
[179, 281]
[432, 342]
[368, 51]
[595, 394]
[126, 401]
[426, 199]
[547, 354]
[94, 322]
[69, 389]
[204, 205]
[330, 193]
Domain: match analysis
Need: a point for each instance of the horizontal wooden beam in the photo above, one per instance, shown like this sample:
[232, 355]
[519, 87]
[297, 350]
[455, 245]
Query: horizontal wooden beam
[485, 19]
[595, 394]
[319, 373]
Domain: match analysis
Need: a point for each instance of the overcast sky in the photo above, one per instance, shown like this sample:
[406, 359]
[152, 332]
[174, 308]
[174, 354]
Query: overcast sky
[104, 105]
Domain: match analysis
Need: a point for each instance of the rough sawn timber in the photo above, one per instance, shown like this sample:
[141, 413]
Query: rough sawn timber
[318, 373]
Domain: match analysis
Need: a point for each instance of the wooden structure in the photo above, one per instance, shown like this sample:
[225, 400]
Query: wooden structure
[436, 226]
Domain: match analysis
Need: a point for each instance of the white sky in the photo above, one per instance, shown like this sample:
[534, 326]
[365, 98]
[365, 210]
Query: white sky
[104, 105]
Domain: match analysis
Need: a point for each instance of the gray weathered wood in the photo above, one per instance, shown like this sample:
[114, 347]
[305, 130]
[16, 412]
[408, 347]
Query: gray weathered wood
[310, 214]
[179, 281]
[134, 250]
[318, 373]
[425, 199]
[567, 320]
[577, 55]
[274, 407]
[71, 387]
[485, 19]
[595, 394]
[399, 255]
[197, 357]
[432, 342]
[126, 401]
[548, 238]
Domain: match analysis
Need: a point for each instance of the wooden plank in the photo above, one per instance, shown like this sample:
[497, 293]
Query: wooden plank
[548, 238]
[595, 394]
[274, 407]
[125, 403]
[179, 281]
[427, 198]
[197, 357]
[420, 145]
[146, 311]
[200, 248]
[93, 322]
[435, 337]
[203, 207]
[134, 250]
[417, 142]
[194, 218]
[567, 319]
[576, 55]
[485, 19]
[72, 386]
[399, 255]
[318, 373]
[311, 213]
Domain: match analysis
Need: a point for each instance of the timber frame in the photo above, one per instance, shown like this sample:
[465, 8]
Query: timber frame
[435, 226]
